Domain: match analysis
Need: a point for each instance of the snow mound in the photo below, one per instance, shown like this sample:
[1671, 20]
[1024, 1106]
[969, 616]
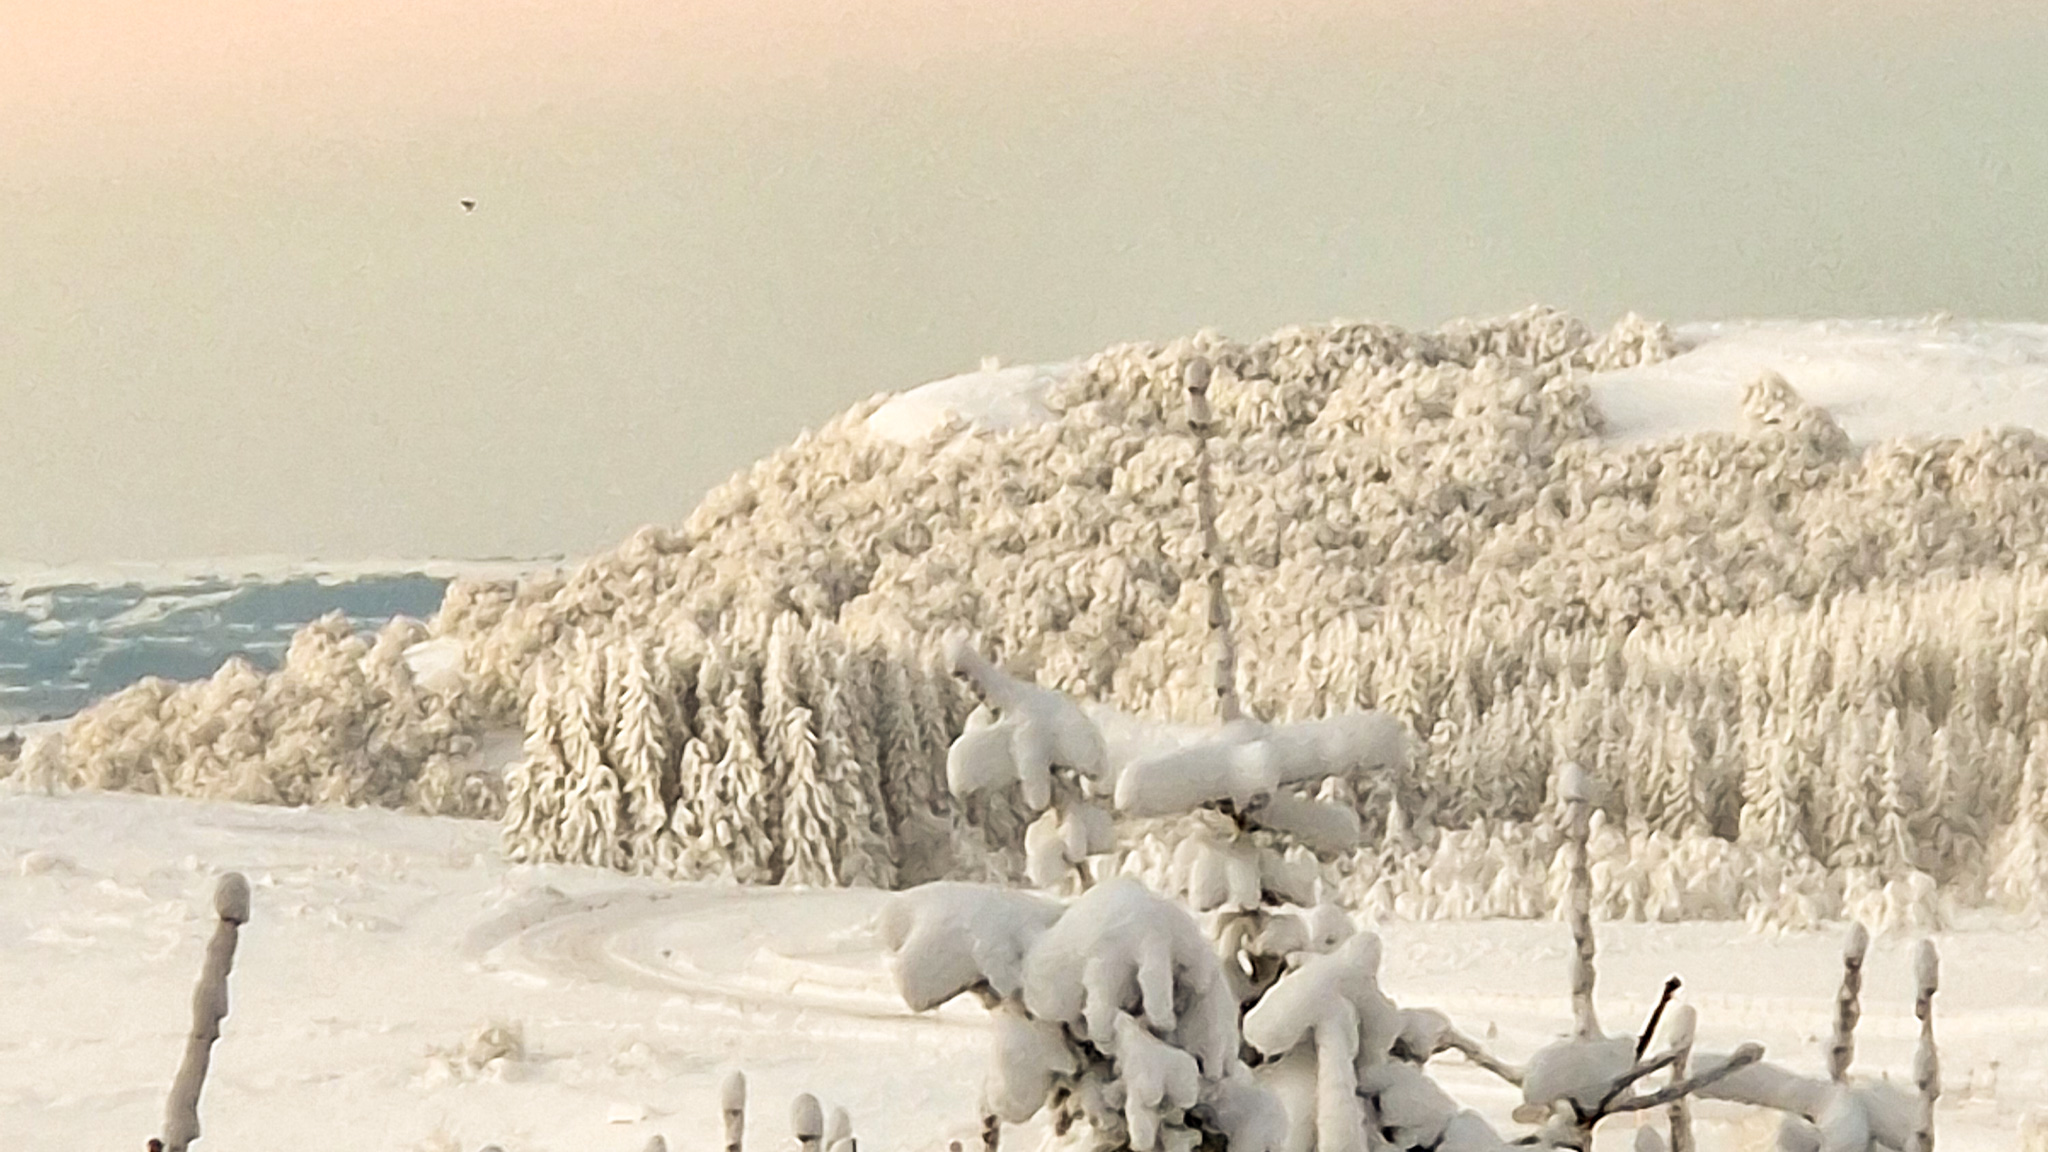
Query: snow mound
[993, 399]
[1879, 379]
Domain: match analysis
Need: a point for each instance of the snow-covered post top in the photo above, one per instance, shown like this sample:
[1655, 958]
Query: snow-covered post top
[732, 1100]
[807, 1122]
[839, 1131]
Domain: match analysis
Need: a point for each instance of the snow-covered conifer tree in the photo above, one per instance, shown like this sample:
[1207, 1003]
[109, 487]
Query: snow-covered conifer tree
[741, 816]
[1679, 803]
[639, 750]
[1899, 845]
[909, 783]
[534, 783]
[1771, 814]
[838, 687]
[1853, 835]
[592, 801]
[809, 830]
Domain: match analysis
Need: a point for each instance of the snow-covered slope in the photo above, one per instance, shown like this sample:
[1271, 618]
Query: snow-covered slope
[1879, 379]
[993, 398]
[381, 943]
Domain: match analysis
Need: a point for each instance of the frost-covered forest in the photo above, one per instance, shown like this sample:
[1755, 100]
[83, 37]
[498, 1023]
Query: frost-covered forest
[1270, 667]
[1808, 676]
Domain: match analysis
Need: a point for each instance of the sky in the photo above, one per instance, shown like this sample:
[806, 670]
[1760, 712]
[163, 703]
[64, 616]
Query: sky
[243, 312]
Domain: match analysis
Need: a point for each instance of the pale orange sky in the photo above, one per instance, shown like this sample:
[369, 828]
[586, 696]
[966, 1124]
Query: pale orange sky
[242, 313]
[117, 73]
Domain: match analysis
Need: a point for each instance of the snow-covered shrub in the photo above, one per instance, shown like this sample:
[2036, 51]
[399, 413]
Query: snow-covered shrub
[1112, 1011]
[342, 722]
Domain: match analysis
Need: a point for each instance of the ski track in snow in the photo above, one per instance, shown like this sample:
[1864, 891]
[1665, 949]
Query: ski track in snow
[669, 942]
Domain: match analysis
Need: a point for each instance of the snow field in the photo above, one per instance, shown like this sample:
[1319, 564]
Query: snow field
[378, 938]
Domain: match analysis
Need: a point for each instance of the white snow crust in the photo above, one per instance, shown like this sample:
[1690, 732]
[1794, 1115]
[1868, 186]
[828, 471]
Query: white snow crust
[1879, 379]
[992, 399]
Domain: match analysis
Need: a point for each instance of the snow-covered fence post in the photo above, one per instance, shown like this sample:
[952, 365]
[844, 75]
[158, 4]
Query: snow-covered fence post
[1926, 1064]
[807, 1121]
[1684, 1026]
[839, 1131]
[1202, 419]
[1575, 792]
[1848, 1007]
[209, 1007]
[733, 1103]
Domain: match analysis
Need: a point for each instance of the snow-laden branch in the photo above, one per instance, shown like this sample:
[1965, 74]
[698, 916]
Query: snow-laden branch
[1245, 764]
[1031, 731]
[1024, 733]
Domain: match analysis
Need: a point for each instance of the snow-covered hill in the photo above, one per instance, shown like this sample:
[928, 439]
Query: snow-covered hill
[1772, 631]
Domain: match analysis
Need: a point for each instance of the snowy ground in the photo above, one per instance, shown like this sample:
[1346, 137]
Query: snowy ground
[379, 938]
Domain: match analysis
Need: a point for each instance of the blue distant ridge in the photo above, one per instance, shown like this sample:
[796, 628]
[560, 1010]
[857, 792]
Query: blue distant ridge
[64, 645]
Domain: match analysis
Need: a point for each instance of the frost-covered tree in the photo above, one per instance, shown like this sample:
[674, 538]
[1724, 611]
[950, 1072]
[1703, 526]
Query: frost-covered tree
[593, 802]
[811, 823]
[1899, 849]
[1773, 806]
[838, 684]
[533, 783]
[1853, 836]
[639, 749]
[740, 810]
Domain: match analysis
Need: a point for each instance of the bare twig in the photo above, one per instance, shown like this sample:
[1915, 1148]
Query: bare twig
[1671, 987]
[733, 1103]
[1628, 1080]
[1742, 1058]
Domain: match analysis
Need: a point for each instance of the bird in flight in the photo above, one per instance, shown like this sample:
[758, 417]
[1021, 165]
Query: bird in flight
[468, 205]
